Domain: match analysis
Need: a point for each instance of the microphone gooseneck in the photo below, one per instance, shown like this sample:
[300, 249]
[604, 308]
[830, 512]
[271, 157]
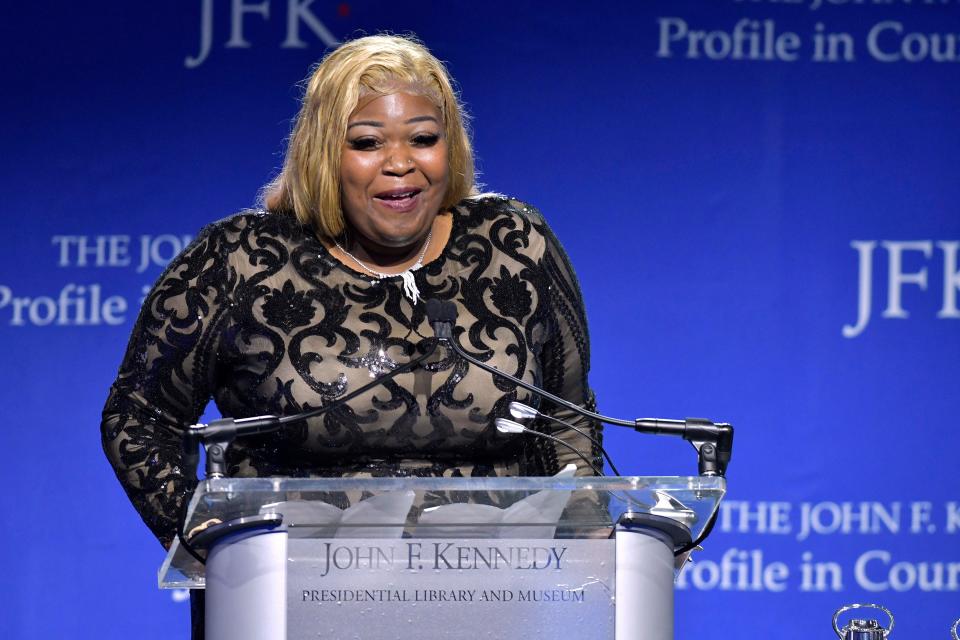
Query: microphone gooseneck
[509, 426]
[522, 411]
[712, 441]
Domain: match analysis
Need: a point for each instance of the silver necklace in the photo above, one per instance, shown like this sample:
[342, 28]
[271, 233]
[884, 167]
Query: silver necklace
[409, 284]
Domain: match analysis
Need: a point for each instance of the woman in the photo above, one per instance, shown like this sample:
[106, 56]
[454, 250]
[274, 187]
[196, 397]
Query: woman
[288, 308]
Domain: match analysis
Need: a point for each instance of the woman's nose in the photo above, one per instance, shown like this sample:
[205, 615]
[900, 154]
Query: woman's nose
[398, 163]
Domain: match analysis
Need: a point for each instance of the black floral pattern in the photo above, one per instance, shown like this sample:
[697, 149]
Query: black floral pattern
[257, 315]
[287, 308]
[510, 296]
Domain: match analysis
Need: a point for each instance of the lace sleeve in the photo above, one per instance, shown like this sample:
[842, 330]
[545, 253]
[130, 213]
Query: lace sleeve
[565, 359]
[165, 381]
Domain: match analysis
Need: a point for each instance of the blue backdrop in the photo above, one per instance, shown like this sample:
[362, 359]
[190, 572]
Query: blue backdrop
[760, 198]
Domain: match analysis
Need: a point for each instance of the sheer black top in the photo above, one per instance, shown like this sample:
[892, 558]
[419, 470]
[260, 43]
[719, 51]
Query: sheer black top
[258, 315]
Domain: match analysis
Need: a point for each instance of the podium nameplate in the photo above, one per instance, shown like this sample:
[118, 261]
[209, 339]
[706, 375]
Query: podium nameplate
[383, 589]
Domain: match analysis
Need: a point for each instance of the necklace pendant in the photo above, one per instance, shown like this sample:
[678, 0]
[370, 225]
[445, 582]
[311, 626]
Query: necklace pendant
[410, 286]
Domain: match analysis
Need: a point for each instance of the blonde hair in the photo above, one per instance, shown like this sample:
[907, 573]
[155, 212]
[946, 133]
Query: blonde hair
[309, 183]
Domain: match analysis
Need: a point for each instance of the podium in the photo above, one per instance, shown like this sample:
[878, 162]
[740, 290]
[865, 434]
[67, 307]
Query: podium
[439, 558]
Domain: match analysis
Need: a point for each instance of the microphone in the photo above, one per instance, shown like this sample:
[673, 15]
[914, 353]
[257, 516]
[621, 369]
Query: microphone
[218, 434]
[442, 316]
[712, 441]
[509, 426]
[522, 411]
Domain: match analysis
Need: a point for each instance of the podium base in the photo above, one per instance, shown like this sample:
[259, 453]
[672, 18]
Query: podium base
[246, 587]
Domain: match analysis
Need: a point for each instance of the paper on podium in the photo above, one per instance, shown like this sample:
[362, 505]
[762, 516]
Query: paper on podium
[380, 516]
[535, 516]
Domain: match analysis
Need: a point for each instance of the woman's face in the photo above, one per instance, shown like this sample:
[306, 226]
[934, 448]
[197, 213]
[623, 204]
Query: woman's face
[393, 170]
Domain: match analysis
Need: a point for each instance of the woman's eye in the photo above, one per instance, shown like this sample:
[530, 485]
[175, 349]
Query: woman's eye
[426, 139]
[363, 144]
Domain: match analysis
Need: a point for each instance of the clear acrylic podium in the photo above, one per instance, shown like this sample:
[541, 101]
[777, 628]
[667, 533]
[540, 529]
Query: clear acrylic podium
[440, 557]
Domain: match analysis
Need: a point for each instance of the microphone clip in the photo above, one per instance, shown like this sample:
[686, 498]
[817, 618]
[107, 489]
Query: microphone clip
[442, 330]
[714, 445]
[217, 436]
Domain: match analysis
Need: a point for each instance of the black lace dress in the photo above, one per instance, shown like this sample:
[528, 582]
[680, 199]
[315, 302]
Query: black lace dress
[256, 314]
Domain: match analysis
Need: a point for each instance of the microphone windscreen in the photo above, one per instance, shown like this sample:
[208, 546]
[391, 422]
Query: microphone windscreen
[448, 312]
[433, 309]
[521, 411]
[441, 311]
[509, 426]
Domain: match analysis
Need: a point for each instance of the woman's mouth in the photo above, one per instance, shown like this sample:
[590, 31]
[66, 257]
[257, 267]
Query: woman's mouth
[399, 200]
